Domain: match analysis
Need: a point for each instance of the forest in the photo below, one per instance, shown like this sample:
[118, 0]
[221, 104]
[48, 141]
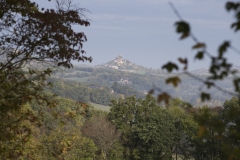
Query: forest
[52, 109]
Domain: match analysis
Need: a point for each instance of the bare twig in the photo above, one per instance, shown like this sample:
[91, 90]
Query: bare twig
[235, 49]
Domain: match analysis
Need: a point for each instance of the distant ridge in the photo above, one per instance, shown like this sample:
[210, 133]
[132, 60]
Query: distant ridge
[119, 63]
[205, 71]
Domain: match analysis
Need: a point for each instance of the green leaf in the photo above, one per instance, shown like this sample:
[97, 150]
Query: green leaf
[183, 28]
[209, 84]
[223, 48]
[170, 66]
[231, 6]
[205, 96]
[174, 80]
[199, 55]
[236, 83]
[236, 26]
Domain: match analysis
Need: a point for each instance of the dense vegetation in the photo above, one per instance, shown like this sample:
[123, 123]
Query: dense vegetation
[133, 129]
[37, 124]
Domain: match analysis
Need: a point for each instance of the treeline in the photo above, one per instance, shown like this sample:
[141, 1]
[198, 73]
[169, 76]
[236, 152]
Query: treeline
[81, 93]
[126, 90]
[91, 93]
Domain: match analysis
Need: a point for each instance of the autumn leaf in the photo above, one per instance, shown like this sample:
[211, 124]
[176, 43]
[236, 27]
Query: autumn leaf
[174, 80]
[199, 45]
[183, 61]
[163, 97]
[202, 130]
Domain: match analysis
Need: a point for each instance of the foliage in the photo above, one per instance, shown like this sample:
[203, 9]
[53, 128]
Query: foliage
[219, 68]
[218, 132]
[61, 136]
[103, 133]
[31, 44]
[81, 93]
[218, 128]
[153, 132]
[147, 129]
[185, 127]
[19, 132]
[207, 142]
[126, 90]
[65, 111]
[66, 142]
[230, 116]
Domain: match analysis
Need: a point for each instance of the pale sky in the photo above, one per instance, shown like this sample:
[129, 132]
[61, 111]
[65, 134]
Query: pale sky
[143, 31]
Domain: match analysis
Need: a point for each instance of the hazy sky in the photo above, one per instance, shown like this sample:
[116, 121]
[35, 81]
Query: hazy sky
[143, 32]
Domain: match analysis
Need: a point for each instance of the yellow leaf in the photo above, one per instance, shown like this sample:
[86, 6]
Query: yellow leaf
[199, 45]
[173, 80]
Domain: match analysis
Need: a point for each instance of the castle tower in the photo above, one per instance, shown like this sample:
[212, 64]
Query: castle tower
[119, 57]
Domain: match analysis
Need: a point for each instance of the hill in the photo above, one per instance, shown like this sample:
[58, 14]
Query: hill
[119, 63]
[124, 78]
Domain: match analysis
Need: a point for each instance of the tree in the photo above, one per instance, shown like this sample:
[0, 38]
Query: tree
[231, 121]
[209, 144]
[19, 131]
[31, 44]
[102, 132]
[185, 127]
[147, 129]
[66, 142]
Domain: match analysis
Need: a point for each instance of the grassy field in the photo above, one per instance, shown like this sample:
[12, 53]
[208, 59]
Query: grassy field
[100, 107]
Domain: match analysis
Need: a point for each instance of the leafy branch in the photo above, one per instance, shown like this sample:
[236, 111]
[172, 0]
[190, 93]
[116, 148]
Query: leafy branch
[219, 68]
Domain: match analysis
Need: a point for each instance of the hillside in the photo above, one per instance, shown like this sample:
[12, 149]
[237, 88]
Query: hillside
[121, 64]
[123, 77]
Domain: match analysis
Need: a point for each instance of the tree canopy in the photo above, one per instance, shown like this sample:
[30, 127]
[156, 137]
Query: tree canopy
[33, 41]
[147, 129]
